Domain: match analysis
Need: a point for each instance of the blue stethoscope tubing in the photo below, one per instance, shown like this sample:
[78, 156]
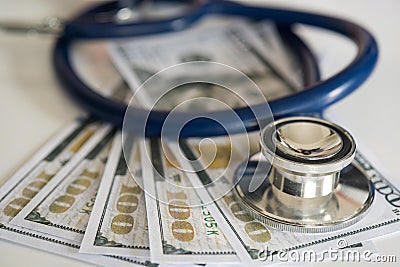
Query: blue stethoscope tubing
[313, 99]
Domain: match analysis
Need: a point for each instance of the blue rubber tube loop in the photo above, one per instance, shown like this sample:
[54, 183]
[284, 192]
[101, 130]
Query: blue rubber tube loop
[313, 99]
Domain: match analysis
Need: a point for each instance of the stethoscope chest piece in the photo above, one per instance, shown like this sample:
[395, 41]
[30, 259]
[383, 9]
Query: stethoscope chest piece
[304, 179]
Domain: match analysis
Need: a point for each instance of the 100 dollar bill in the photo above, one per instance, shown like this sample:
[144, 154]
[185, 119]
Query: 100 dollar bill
[118, 224]
[181, 228]
[253, 49]
[68, 148]
[63, 209]
[31, 178]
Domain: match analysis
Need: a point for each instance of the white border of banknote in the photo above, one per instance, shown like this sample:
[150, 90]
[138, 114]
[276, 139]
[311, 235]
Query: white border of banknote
[38, 156]
[72, 143]
[157, 244]
[45, 241]
[214, 208]
[44, 225]
[93, 231]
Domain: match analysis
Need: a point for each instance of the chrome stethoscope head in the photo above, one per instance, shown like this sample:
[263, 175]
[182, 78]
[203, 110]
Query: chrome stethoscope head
[311, 184]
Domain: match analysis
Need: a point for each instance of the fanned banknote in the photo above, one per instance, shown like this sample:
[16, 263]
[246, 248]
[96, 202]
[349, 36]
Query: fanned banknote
[118, 223]
[64, 209]
[235, 43]
[41, 169]
[66, 149]
[182, 229]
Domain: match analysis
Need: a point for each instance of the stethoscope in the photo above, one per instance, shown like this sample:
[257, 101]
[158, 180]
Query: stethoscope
[309, 188]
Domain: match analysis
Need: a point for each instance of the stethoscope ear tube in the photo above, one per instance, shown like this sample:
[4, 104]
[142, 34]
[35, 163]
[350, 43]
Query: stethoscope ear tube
[313, 99]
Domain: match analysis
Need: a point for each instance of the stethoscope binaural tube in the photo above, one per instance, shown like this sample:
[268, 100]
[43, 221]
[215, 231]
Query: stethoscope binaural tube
[313, 99]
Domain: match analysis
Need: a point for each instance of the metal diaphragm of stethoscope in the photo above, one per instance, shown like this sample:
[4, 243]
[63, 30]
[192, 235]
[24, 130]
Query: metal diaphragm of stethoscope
[305, 177]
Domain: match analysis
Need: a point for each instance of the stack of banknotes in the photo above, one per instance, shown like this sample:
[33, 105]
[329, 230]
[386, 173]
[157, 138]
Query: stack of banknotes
[90, 196]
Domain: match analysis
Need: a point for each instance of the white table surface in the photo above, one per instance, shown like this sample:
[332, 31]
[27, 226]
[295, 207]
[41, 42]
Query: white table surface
[33, 108]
